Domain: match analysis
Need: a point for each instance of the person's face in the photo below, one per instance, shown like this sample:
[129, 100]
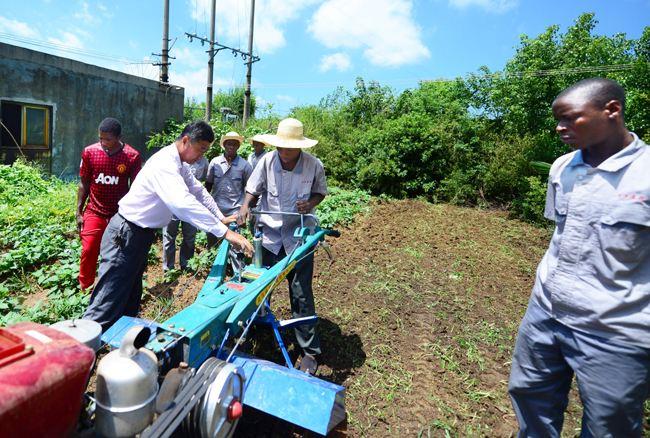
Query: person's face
[108, 140]
[580, 122]
[258, 147]
[230, 148]
[288, 155]
[193, 150]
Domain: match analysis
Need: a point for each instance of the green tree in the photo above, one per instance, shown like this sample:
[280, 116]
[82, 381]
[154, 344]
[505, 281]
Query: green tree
[233, 99]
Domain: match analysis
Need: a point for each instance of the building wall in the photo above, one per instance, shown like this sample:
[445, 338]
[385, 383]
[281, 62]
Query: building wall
[81, 95]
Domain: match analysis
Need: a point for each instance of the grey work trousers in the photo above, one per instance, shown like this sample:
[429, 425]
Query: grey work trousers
[301, 296]
[613, 379]
[186, 251]
[123, 254]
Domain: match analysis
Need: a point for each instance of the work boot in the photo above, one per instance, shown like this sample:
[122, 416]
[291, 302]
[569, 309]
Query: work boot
[308, 364]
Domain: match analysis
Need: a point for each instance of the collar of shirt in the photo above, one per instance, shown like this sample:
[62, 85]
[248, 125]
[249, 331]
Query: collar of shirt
[221, 161]
[617, 161]
[116, 151]
[277, 165]
[172, 150]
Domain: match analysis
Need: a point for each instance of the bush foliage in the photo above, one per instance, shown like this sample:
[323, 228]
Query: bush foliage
[472, 140]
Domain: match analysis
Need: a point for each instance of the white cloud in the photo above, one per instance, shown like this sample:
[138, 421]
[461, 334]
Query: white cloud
[233, 17]
[83, 14]
[188, 57]
[68, 40]
[105, 11]
[384, 29]
[194, 82]
[17, 28]
[284, 98]
[339, 61]
[497, 6]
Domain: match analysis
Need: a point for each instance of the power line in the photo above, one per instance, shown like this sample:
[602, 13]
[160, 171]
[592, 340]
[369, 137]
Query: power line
[68, 49]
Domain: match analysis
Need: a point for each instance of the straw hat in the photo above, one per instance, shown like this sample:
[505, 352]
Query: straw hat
[289, 135]
[259, 138]
[232, 135]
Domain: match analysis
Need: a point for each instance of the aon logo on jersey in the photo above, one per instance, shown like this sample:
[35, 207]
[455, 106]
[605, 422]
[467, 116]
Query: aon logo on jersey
[107, 179]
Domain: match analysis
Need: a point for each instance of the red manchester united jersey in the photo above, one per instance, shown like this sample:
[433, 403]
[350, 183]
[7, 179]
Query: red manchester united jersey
[108, 176]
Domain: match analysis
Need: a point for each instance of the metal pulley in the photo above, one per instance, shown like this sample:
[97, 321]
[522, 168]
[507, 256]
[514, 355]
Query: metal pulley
[219, 410]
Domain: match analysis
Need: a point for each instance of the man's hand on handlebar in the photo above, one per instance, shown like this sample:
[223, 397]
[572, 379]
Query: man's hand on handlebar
[229, 219]
[239, 243]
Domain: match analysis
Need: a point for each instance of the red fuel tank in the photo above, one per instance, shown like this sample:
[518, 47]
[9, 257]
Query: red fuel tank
[43, 375]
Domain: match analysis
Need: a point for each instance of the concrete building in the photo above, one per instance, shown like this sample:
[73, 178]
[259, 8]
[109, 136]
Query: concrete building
[50, 107]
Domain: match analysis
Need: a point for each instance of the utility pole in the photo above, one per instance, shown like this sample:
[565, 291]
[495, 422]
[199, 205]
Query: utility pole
[208, 97]
[216, 47]
[249, 67]
[164, 64]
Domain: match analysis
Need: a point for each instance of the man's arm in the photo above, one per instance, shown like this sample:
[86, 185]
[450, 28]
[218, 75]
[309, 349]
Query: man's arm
[242, 217]
[82, 195]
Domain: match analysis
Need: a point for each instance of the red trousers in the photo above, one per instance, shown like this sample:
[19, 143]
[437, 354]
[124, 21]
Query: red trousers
[91, 239]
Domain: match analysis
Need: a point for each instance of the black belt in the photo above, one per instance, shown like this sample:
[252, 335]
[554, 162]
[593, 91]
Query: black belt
[133, 225]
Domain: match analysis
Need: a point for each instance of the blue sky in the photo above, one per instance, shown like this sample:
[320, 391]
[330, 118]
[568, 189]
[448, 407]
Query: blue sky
[308, 47]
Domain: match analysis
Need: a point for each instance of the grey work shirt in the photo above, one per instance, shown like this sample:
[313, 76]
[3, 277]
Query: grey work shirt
[279, 190]
[595, 275]
[199, 168]
[254, 159]
[228, 182]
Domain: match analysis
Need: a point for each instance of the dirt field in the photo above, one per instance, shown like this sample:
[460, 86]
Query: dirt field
[418, 315]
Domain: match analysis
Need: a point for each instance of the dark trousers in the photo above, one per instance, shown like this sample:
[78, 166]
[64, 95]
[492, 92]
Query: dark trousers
[123, 255]
[169, 243]
[301, 296]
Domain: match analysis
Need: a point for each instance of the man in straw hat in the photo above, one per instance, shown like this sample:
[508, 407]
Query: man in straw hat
[289, 180]
[226, 180]
[165, 187]
[258, 151]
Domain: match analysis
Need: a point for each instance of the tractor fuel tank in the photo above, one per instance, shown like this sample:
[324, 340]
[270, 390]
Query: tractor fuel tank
[43, 375]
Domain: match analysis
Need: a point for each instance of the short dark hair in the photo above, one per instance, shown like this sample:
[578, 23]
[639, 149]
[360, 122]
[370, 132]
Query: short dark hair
[198, 130]
[598, 90]
[111, 125]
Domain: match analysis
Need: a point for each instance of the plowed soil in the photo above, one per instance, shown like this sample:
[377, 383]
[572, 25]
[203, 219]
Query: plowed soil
[418, 315]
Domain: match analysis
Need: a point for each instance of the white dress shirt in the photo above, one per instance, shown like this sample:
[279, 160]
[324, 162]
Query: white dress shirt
[166, 186]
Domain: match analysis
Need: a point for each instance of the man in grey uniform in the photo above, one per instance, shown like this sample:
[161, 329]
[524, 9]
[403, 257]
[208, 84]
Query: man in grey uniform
[589, 311]
[226, 180]
[258, 151]
[289, 180]
[199, 169]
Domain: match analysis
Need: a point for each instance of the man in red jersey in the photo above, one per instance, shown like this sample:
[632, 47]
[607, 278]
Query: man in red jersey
[107, 169]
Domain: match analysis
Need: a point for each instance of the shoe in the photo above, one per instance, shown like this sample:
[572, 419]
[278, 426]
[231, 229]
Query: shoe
[308, 364]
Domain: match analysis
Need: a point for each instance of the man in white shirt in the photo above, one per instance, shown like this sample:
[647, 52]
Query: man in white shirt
[188, 231]
[165, 187]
